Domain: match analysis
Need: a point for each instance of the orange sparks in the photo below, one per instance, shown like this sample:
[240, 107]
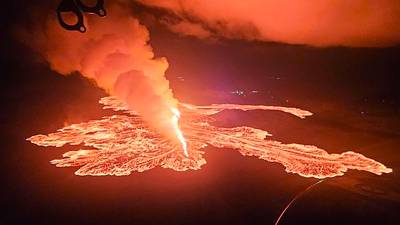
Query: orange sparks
[123, 143]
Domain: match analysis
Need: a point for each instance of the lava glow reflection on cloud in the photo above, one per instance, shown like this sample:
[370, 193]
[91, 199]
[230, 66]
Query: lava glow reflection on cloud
[121, 144]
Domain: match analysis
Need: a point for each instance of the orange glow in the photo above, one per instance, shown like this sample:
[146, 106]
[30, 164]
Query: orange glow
[122, 144]
[357, 23]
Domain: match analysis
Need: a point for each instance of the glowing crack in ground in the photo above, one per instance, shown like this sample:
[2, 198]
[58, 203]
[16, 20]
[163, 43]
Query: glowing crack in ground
[121, 144]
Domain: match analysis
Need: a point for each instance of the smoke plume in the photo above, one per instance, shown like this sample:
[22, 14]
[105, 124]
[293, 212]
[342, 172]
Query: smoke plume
[115, 54]
[356, 23]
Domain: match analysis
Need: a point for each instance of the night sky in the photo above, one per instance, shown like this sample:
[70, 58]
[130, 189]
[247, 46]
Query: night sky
[354, 93]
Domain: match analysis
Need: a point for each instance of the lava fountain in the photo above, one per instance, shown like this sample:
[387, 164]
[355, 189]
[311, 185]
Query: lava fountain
[116, 55]
[123, 143]
[178, 132]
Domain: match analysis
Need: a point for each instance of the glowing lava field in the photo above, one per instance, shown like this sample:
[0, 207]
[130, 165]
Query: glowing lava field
[121, 144]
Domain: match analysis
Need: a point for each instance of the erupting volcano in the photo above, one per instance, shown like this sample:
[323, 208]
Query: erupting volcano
[154, 128]
[123, 143]
[192, 112]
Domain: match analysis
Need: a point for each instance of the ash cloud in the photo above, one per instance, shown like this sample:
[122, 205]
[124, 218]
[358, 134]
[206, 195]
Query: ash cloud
[116, 55]
[356, 23]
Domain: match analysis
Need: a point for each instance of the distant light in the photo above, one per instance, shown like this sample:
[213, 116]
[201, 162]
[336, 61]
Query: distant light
[238, 92]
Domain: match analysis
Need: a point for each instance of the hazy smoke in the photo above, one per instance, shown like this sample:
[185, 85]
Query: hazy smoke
[115, 53]
[314, 22]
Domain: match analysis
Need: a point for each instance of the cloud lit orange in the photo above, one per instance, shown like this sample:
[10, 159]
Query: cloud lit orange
[356, 23]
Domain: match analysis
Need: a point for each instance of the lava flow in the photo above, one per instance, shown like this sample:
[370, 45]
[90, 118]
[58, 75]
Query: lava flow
[121, 144]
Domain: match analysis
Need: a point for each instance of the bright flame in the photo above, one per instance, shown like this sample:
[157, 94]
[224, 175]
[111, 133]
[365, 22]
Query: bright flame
[178, 132]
